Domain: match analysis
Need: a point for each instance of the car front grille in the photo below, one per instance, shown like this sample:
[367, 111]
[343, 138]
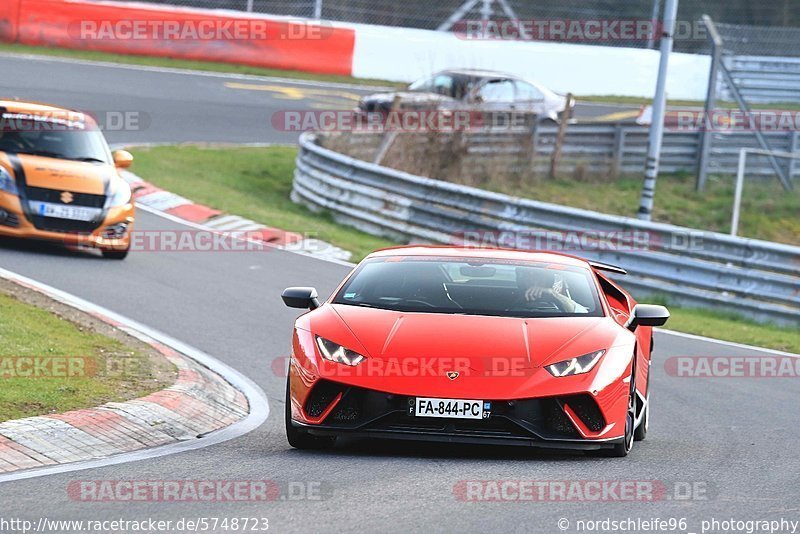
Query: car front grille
[64, 226]
[54, 196]
[365, 409]
[9, 219]
[321, 397]
[587, 410]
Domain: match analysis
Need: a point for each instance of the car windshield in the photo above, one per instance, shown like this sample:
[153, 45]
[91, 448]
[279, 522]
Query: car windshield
[455, 86]
[52, 137]
[473, 286]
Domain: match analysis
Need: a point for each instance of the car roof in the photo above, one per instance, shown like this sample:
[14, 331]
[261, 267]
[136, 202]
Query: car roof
[479, 252]
[34, 108]
[480, 73]
[47, 111]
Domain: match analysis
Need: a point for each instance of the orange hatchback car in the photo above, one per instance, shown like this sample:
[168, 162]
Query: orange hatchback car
[59, 180]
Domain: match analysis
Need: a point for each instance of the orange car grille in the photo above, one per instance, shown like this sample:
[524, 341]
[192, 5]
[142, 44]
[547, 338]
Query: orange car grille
[54, 196]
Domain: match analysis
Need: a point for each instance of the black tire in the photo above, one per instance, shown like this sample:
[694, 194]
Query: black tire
[112, 254]
[641, 431]
[299, 438]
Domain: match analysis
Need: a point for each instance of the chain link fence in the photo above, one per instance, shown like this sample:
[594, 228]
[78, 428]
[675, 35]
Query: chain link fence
[743, 40]
[777, 15]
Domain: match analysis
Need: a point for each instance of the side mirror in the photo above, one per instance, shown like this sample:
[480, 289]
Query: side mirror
[647, 315]
[123, 159]
[301, 297]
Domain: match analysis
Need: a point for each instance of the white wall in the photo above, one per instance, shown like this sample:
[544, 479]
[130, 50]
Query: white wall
[401, 54]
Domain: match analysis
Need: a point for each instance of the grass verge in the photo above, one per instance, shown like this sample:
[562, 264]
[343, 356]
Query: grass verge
[80, 364]
[768, 212]
[731, 327]
[250, 182]
[174, 63]
[255, 183]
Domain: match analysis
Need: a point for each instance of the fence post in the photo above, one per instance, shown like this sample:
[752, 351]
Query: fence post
[534, 144]
[706, 137]
[654, 20]
[563, 119]
[647, 199]
[389, 136]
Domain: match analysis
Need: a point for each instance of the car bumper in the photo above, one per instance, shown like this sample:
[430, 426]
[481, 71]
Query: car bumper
[14, 223]
[572, 421]
[455, 437]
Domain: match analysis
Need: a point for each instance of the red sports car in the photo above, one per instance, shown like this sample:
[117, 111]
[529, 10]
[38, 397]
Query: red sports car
[472, 346]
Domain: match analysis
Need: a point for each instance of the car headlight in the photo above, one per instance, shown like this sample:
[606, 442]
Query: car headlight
[337, 353]
[576, 366]
[120, 196]
[7, 183]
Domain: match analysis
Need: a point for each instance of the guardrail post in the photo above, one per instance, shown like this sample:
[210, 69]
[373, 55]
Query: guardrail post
[534, 145]
[794, 148]
[618, 151]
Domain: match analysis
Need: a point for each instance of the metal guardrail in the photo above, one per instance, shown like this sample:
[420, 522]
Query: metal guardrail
[598, 148]
[758, 279]
[765, 79]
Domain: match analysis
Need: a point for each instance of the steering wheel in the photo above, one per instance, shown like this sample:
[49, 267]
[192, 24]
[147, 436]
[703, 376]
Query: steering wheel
[552, 304]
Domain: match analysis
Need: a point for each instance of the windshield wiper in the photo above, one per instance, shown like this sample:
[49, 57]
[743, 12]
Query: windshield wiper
[90, 159]
[43, 153]
[362, 304]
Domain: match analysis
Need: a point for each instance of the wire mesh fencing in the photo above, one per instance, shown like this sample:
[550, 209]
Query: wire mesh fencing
[778, 15]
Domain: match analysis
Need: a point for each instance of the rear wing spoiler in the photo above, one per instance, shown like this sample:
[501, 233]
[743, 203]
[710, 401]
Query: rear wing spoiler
[608, 268]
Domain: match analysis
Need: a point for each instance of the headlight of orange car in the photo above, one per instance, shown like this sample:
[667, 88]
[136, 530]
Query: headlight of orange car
[7, 183]
[121, 195]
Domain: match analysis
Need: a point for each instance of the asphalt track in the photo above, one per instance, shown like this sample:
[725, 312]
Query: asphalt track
[734, 438]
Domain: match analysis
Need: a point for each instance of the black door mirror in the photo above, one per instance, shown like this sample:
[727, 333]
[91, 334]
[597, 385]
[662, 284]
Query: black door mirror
[300, 297]
[647, 315]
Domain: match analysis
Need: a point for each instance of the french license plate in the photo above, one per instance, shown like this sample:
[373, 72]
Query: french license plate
[73, 213]
[451, 408]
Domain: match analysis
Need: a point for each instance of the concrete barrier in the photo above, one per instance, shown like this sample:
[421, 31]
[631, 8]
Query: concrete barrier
[254, 40]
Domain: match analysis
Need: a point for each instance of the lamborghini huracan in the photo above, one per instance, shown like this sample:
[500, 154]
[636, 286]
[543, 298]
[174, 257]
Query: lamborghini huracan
[484, 346]
[60, 182]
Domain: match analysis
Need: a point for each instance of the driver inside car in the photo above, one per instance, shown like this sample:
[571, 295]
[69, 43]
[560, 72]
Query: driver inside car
[540, 286]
